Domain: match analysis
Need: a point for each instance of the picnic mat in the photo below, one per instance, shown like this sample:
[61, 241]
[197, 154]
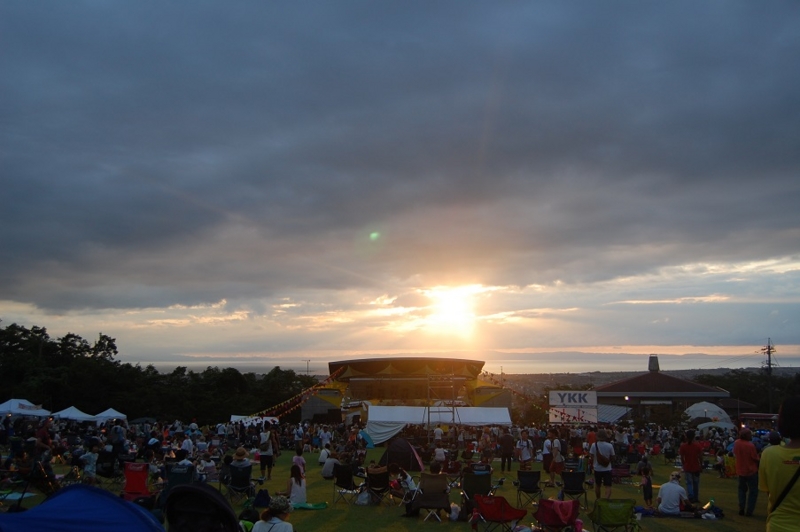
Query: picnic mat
[15, 496]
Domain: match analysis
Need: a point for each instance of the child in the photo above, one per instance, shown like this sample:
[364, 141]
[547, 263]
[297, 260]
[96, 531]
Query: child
[720, 463]
[299, 461]
[647, 486]
[90, 465]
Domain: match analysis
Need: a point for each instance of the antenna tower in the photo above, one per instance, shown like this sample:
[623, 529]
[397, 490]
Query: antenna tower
[769, 350]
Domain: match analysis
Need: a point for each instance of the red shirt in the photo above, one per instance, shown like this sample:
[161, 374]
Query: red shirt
[691, 457]
[746, 458]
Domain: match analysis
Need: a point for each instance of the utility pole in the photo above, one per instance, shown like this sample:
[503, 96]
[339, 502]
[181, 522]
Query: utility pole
[768, 350]
[307, 363]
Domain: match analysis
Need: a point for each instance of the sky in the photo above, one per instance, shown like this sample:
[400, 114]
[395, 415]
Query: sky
[542, 185]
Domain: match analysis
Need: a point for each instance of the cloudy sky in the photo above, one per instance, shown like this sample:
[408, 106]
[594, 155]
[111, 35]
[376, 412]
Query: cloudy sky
[257, 183]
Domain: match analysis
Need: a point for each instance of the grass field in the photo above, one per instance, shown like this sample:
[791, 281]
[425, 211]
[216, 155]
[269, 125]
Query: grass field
[354, 518]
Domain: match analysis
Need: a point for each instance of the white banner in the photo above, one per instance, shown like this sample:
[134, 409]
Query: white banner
[573, 398]
[573, 415]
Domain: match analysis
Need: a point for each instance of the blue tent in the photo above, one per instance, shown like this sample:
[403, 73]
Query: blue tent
[81, 508]
[367, 439]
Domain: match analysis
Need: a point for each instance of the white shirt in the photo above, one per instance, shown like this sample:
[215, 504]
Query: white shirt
[525, 449]
[607, 450]
[671, 494]
[273, 525]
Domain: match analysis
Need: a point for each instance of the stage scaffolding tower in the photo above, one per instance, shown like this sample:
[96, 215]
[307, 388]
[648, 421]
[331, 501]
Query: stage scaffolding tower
[444, 389]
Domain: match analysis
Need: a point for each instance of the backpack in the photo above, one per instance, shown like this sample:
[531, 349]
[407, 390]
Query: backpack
[602, 459]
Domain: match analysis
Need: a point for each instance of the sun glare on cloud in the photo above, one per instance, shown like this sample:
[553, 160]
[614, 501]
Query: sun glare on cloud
[452, 310]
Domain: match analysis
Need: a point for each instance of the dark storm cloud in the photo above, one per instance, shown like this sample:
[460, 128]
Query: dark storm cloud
[160, 153]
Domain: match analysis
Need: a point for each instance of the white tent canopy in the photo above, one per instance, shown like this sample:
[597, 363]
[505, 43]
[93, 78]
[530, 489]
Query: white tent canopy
[383, 422]
[109, 414]
[74, 414]
[22, 407]
[709, 410]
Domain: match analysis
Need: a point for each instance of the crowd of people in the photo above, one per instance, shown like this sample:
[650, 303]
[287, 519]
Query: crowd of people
[212, 449]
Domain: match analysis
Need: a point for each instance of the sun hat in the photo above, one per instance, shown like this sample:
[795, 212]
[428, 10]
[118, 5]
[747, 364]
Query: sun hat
[280, 505]
[240, 453]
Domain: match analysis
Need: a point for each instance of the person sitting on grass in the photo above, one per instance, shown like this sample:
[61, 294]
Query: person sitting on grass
[672, 498]
[330, 462]
[275, 517]
[324, 454]
[295, 487]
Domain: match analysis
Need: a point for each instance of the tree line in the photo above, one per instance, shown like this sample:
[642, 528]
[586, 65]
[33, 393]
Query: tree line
[71, 371]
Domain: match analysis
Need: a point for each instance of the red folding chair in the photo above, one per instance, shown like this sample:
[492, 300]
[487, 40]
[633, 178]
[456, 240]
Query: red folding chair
[496, 512]
[136, 476]
[553, 515]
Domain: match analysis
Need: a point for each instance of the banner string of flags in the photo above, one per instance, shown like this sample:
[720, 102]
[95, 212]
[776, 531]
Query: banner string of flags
[296, 401]
[564, 417]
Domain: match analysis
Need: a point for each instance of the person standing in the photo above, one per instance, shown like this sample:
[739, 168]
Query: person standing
[266, 450]
[556, 451]
[506, 443]
[780, 468]
[602, 453]
[524, 452]
[747, 470]
[691, 454]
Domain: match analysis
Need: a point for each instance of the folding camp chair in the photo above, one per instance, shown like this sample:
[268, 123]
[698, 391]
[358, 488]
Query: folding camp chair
[240, 486]
[108, 472]
[344, 487]
[575, 486]
[614, 514]
[432, 495]
[633, 458]
[529, 488]
[378, 486]
[472, 485]
[453, 470]
[496, 512]
[572, 464]
[136, 476]
[621, 474]
[554, 516]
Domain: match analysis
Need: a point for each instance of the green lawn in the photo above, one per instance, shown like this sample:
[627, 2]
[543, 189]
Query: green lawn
[374, 519]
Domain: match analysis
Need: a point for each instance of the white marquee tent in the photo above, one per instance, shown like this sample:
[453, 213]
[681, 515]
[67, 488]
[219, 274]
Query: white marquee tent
[109, 414]
[22, 407]
[709, 410]
[74, 414]
[383, 422]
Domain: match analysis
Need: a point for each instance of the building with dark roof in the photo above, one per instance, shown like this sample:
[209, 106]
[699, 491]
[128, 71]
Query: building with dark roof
[655, 388]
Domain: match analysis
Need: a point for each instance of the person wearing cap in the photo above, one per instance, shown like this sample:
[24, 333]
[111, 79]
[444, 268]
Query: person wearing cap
[671, 495]
[274, 518]
[747, 470]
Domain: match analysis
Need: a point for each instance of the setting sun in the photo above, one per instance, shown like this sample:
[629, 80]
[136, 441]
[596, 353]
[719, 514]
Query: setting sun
[452, 310]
